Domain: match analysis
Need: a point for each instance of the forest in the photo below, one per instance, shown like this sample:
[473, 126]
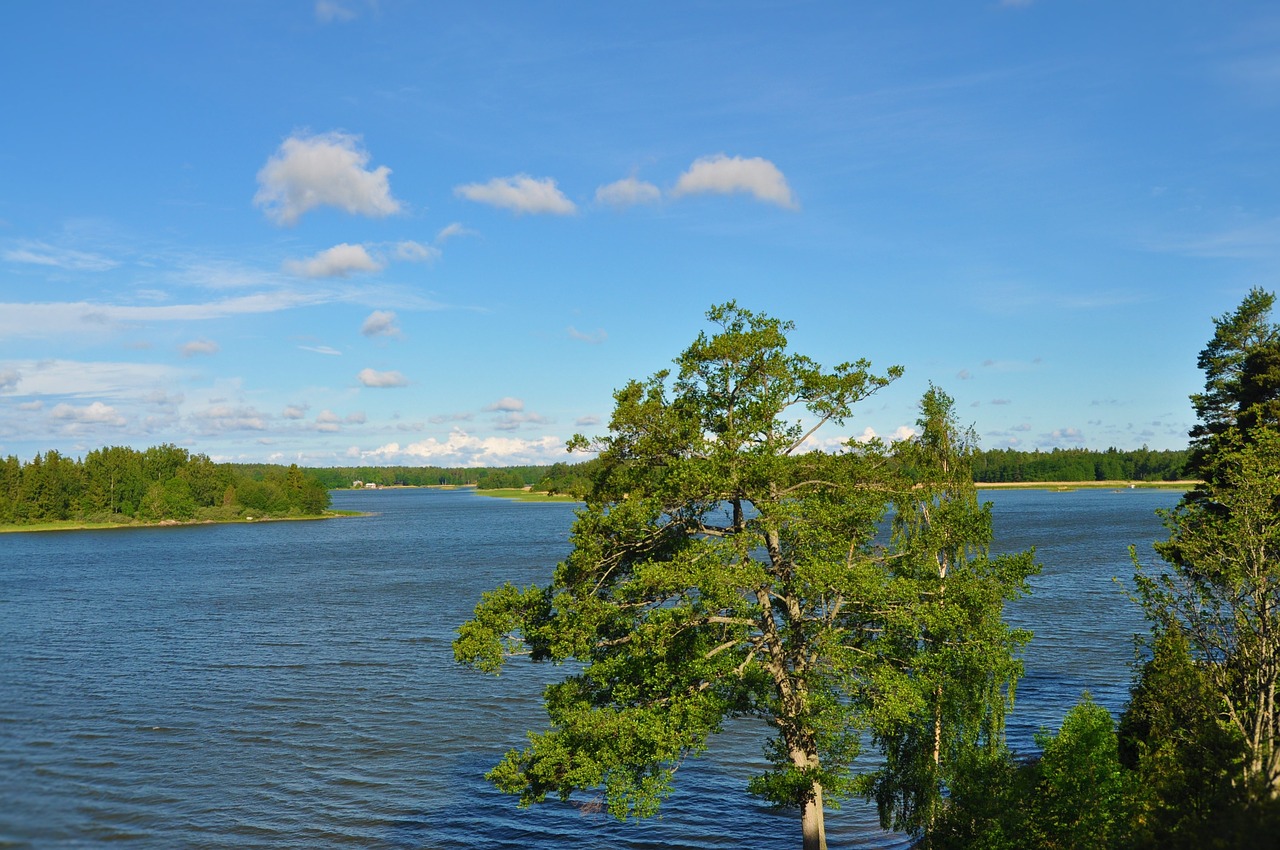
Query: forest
[121, 485]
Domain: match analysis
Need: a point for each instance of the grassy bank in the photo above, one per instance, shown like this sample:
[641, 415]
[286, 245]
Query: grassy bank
[527, 495]
[84, 525]
[1086, 485]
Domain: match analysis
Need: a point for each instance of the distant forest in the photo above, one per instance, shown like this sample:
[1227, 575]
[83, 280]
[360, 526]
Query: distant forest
[121, 484]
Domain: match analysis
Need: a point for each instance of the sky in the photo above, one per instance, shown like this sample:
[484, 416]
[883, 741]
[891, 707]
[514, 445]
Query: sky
[345, 232]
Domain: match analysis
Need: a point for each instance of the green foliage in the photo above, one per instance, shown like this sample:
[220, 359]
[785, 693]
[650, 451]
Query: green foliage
[721, 569]
[954, 662]
[1011, 465]
[1201, 730]
[121, 484]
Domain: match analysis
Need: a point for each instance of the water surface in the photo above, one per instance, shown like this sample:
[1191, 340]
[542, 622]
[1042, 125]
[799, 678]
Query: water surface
[291, 685]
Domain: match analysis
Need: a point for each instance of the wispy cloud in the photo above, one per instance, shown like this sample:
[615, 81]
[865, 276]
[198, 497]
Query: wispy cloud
[199, 346]
[521, 194]
[329, 11]
[321, 349]
[726, 175]
[595, 338]
[415, 252]
[452, 231]
[41, 254]
[328, 169]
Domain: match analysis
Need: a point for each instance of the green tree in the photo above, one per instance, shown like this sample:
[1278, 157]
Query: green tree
[718, 569]
[953, 662]
[1220, 590]
[1081, 795]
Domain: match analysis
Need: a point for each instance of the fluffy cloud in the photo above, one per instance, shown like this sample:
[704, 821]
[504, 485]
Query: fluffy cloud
[96, 413]
[338, 261]
[9, 379]
[223, 417]
[294, 411]
[627, 193]
[463, 449]
[370, 378]
[328, 421]
[199, 346]
[586, 421]
[380, 323]
[506, 404]
[323, 170]
[725, 175]
[520, 194]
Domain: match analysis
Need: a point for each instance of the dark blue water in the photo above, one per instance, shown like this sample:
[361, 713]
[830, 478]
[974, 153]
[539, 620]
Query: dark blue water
[292, 684]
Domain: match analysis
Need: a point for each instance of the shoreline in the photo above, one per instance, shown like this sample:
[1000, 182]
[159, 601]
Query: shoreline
[85, 525]
[1063, 486]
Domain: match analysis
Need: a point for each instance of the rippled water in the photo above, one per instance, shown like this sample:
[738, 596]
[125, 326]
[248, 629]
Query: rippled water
[292, 684]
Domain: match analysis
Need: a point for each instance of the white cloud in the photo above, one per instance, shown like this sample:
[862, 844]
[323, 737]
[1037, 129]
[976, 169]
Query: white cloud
[31, 405]
[96, 413]
[222, 417]
[40, 254]
[520, 194]
[441, 418]
[9, 379]
[594, 338]
[512, 421]
[328, 11]
[902, 432]
[380, 323]
[450, 231]
[370, 378]
[322, 170]
[294, 411]
[628, 192]
[338, 261]
[463, 449]
[321, 349]
[506, 404]
[724, 175]
[356, 418]
[586, 421]
[199, 346]
[328, 421]
[415, 252]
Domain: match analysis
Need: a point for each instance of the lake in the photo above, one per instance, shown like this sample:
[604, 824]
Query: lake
[292, 685]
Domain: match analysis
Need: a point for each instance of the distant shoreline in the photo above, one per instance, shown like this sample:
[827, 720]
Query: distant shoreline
[83, 525]
[1085, 485]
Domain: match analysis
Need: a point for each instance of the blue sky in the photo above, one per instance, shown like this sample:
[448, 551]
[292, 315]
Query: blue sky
[347, 232]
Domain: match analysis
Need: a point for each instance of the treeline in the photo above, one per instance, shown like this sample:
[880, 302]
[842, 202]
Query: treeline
[1009, 465]
[121, 484]
[568, 478]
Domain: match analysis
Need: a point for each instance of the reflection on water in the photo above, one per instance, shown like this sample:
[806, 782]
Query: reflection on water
[292, 684]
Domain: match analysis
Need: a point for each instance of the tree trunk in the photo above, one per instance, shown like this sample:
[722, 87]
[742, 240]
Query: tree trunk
[813, 823]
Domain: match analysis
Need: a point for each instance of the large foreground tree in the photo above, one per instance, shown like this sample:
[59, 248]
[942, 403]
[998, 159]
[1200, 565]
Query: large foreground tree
[723, 567]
